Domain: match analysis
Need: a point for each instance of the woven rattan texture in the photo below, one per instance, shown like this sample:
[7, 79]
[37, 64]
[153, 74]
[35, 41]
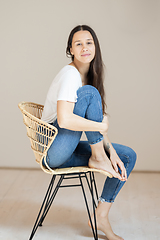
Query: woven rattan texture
[42, 135]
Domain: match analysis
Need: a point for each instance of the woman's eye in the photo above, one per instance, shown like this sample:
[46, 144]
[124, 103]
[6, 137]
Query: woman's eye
[78, 44]
[89, 43]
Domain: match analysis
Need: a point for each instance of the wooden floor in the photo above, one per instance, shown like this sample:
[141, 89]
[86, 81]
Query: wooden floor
[135, 215]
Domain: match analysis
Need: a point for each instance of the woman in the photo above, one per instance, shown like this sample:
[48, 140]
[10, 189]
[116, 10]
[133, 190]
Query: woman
[75, 103]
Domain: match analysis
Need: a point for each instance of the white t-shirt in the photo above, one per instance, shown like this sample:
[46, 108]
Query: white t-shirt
[63, 87]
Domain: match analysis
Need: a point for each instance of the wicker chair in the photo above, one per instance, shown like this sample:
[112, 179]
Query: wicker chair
[41, 135]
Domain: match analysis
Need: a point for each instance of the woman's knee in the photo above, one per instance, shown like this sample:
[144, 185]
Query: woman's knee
[88, 89]
[126, 153]
[89, 104]
[132, 156]
[131, 153]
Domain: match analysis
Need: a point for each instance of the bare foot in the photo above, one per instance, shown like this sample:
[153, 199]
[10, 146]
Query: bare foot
[104, 226]
[103, 164]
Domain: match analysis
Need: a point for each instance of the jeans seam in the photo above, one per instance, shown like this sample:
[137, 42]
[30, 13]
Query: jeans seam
[115, 192]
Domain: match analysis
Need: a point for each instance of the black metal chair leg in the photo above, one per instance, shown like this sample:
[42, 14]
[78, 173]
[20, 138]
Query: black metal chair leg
[95, 186]
[50, 200]
[48, 193]
[94, 213]
[45, 207]
[94, 231]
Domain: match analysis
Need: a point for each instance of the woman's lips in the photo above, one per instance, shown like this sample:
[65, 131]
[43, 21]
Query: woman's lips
[85, 55]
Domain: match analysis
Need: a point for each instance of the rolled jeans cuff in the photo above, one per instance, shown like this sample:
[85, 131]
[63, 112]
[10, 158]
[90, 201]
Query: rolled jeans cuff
[102, 200]
[97, 141]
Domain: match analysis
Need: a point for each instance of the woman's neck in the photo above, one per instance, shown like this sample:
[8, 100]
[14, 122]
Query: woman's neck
[83, 69]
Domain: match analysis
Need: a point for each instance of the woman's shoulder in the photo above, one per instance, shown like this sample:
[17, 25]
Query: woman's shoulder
[69, 69]
[67, 73]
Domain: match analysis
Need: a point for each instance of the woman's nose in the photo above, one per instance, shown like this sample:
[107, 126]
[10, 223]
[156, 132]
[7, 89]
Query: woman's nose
[84, 49]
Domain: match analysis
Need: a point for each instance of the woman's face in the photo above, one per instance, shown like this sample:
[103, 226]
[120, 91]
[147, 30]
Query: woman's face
[83, 47]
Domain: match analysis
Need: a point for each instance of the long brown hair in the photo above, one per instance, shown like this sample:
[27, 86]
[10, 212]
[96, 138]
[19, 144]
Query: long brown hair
[95, 76]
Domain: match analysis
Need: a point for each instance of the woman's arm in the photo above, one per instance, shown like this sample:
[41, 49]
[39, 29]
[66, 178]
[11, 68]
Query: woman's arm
[67, 119]
[115, 160]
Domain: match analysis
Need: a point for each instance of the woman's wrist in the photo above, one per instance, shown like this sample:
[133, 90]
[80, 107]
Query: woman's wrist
[104, 128]
[112, 151]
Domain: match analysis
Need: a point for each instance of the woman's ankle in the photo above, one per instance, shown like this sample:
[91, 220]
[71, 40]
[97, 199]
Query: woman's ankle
[97, 157]
[98, 152]
[103, 209]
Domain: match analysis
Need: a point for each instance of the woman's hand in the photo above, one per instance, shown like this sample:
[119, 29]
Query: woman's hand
[105, 123]
[116, 162]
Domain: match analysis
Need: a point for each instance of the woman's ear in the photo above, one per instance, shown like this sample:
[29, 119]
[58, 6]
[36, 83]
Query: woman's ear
[71, 51]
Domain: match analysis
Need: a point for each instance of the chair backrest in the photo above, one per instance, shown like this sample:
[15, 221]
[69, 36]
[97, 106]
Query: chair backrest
[40, 133]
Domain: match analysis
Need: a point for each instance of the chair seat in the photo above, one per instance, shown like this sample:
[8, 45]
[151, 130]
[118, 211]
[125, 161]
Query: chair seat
[59, 171]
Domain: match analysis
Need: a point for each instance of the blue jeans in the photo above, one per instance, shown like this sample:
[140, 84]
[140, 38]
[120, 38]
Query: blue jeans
[68, 151]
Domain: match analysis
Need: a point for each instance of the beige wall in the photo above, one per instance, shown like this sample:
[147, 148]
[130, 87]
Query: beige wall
[32, 50]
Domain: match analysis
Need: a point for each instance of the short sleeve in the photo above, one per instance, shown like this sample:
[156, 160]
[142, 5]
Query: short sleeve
[70, 83]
